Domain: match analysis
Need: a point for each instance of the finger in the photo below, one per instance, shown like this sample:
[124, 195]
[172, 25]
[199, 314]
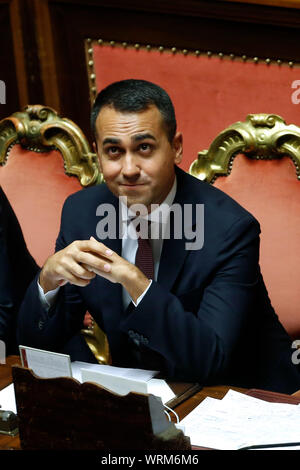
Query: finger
[92, 245]
[105, 251]
[100, 269]
[77, 281]
[72, 272]
[88, 245]
[74, 269]
[90, 260]
[80, 270]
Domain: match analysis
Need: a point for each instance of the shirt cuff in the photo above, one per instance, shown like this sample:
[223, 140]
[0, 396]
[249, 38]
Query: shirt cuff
[49, 298]
[142, 295]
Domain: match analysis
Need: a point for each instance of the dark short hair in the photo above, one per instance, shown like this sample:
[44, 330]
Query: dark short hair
[134, 95]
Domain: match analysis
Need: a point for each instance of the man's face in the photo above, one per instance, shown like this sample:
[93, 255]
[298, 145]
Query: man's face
[136, 158]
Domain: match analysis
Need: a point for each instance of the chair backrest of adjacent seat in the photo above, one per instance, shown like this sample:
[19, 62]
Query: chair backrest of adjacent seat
[257, 163]
[37, 186]
[270, 191]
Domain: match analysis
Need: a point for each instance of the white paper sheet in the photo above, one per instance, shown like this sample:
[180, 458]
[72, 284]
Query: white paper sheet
[239, 420]
[122, 380]
[134, 374]
[7, 399]
[160, 388]
[46, 364]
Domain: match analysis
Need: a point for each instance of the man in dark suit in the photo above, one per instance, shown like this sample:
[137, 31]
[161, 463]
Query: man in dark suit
[203, 314]
[17, 269]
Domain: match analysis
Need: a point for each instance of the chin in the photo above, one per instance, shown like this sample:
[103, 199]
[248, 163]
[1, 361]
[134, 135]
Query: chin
[132, 200]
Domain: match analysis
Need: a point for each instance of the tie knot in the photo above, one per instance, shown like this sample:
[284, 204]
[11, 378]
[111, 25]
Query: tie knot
[142, 228]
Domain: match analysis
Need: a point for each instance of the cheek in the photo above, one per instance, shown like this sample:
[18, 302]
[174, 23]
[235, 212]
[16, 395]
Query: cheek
[110, 170]
[155, 167]
[162, 172]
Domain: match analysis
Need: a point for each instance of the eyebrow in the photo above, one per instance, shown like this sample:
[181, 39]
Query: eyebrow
[146, 135]
[111, 140]
[135, 138]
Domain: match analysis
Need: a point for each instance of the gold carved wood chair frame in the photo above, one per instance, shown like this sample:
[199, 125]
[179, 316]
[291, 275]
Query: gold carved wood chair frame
[261, 136]
[41, 129]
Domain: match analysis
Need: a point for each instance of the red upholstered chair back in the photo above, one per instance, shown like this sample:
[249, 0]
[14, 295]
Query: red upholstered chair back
[44, 159]
[257, 162]
[210, 90]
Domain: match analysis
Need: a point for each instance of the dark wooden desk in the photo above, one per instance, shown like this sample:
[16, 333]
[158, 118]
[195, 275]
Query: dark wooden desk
[13, 443]
[8, 442]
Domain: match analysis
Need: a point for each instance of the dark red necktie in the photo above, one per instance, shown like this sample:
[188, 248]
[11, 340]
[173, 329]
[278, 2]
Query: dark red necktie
[144, 257]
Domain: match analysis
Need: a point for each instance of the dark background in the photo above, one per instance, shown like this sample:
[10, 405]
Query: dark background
[42, 54]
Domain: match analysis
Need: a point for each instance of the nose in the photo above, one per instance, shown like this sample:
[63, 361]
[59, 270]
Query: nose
[130, 167]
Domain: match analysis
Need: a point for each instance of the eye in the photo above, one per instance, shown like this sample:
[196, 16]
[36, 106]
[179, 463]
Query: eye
[145, 147]
[113, 151]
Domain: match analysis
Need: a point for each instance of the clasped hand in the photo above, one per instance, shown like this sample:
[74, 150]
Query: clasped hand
[82, 260]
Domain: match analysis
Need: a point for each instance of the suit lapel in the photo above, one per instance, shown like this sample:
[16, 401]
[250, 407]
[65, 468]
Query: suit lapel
[171, 260]
[111, 293]
[174, 250]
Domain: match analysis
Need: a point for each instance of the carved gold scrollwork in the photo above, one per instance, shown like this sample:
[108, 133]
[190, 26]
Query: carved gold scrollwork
[39, 128]
[261, 136]
[97, 342]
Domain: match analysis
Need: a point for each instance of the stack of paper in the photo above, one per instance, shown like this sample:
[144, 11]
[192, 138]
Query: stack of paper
[120, 380]
[239, 421]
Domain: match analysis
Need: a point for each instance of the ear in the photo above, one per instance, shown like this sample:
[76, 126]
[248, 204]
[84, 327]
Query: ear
[95, 148]
[178, 147]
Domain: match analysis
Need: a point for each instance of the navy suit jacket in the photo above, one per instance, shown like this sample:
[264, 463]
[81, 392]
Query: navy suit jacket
[207, 318]
[17, 269]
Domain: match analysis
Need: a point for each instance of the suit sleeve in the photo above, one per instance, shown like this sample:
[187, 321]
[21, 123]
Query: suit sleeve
[51, 329]
[17, 269]
[197, 344]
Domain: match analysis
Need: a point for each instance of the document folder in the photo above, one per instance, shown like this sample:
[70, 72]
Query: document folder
[62, 414]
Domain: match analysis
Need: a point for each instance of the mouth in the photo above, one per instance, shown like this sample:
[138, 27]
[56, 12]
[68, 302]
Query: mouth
[134, 185]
